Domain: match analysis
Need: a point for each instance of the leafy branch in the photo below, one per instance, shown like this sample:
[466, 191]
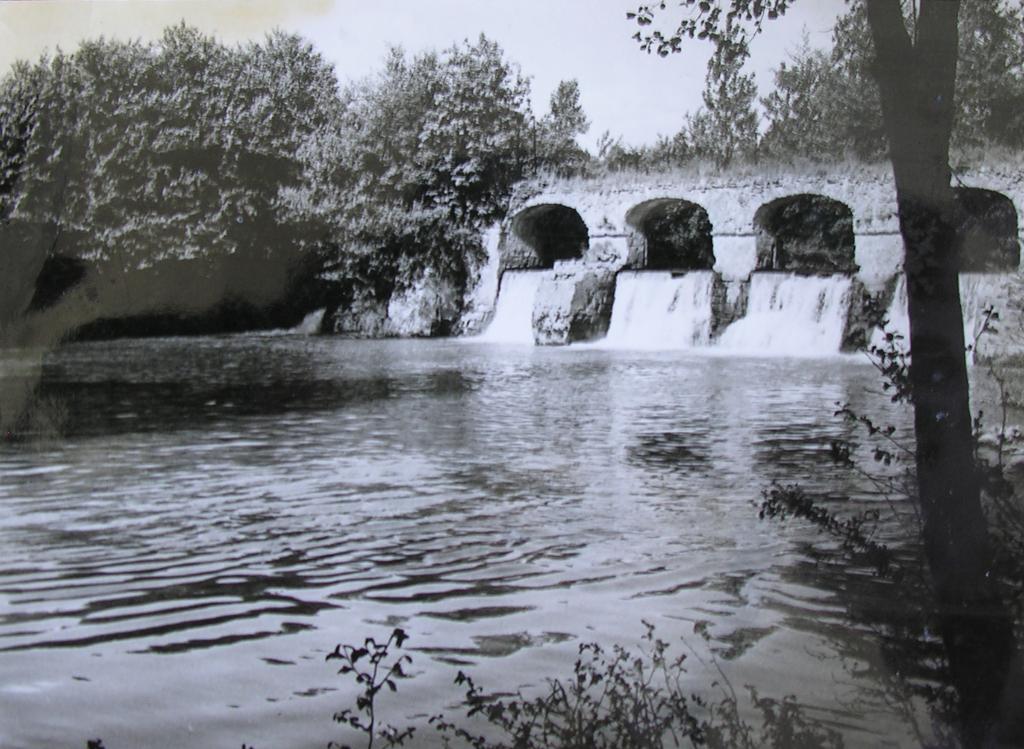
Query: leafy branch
[375, 673]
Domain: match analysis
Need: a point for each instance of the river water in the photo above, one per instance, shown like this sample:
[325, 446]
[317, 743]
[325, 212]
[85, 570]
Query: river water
[221, 511]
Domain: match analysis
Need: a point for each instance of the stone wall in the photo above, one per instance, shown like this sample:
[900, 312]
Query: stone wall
[605, 208]
[575, 304]
[732, 202]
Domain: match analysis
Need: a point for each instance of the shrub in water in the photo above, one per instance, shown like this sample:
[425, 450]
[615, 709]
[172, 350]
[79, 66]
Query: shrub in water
[614, 699]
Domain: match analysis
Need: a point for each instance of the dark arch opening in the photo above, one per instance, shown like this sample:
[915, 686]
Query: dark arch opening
[986, 223]
[549, 233]
[808, 234]
[674, 234]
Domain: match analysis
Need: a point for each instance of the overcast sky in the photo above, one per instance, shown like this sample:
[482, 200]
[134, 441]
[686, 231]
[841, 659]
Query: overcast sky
[624, 91]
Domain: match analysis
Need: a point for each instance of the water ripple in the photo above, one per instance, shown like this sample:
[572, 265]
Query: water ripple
[503, 505]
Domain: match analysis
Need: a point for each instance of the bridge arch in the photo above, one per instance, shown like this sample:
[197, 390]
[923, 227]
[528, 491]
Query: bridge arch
[540, 235]
[987, 230]
[806, 233]
[670, 234]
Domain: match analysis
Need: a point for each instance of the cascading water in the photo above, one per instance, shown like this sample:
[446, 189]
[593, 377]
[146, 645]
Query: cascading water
[513, 311]
[311, 323]
[791, 314]
[659, 310]
[977, 291]
[896, 318]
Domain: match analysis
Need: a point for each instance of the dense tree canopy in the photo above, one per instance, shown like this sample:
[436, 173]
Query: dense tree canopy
[131, 157]
[248, 162]
[726, 128]
[433, 146]
[181, 148]
[824, 103]
[827, 102]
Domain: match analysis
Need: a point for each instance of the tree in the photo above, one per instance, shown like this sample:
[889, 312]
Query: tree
[990, 75]
[182, 156]
[566, 114]
[20, 261]
[828, 102]
[433, 146]
[19, 94]
[43, 196]
[474, 139]
[668, 152]
[557, 149]
[817, 108]
[916, 79]
[725, 130]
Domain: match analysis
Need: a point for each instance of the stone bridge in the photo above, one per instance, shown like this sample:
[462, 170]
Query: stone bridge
[813, 224]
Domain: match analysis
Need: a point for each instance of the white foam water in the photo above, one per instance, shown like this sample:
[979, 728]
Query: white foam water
[513, 311]
[791, 315]
[977, 292]
[659, 310]
[310, 324]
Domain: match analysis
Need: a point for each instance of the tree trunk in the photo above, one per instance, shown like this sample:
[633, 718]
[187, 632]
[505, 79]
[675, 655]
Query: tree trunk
[916, 81]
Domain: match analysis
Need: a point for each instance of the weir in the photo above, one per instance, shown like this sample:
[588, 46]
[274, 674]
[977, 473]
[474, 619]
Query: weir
[662, 310]
[513, 312]
[794, 268]
[786, 313]
[792, 314]
[977, 292]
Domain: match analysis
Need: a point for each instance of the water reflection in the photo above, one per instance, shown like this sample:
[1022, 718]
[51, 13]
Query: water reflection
[681, 452]
[224, 510]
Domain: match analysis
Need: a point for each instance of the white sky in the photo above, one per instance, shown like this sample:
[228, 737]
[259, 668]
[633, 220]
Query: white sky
[629, 93]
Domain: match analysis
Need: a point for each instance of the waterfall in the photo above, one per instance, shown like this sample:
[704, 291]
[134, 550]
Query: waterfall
[791, 314]
[977, 291]
[896, 316]
[659, 310]
[310, 324]
[513, 311]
